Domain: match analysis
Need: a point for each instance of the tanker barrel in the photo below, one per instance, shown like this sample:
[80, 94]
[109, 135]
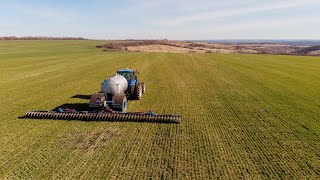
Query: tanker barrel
[114, 84]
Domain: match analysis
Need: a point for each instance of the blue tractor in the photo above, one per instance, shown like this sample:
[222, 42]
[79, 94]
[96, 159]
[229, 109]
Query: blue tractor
[135, 88]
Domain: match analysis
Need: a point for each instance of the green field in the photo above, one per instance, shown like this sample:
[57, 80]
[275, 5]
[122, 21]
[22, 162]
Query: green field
[244, 116]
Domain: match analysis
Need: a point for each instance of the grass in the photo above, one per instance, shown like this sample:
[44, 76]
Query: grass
[244, 116]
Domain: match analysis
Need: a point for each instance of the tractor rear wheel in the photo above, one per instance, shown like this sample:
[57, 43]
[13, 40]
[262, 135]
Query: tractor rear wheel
[138, 91]
[131, 92]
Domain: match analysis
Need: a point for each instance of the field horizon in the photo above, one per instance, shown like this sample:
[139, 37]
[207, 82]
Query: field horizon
[244, 115]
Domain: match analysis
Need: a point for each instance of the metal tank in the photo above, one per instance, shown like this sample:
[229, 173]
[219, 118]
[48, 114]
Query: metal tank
[114, 84]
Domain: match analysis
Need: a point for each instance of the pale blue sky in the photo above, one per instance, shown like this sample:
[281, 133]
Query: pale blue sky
[156, 19]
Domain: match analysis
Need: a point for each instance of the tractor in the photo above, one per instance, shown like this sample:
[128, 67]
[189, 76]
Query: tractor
[116, 90]
[135, 88]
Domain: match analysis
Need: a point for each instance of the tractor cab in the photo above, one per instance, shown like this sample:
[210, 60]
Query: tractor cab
[127, 73]
[130, 75]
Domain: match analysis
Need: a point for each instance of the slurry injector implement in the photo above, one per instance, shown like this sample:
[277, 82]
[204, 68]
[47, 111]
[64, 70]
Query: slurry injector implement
[110, 104]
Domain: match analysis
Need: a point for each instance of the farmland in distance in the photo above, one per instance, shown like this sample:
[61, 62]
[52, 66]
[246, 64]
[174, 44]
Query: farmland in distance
[244, 116]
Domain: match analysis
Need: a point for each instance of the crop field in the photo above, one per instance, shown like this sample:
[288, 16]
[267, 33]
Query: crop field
[244, 116]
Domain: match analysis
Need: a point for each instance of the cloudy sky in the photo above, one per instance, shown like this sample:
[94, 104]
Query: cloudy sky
[156, 19]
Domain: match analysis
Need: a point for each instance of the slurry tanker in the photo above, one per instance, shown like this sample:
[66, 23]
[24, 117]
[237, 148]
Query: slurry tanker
[110, 104]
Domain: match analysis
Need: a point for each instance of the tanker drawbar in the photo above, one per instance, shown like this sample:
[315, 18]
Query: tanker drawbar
[110, 104]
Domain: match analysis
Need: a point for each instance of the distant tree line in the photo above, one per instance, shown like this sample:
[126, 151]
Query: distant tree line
[40, 38]
[124, 44]
[130, 42]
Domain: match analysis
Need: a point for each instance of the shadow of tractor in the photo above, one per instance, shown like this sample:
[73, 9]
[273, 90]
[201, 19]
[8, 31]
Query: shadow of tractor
[81, 96]
[75, 106]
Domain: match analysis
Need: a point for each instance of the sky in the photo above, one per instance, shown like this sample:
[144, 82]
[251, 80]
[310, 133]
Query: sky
[162, 19]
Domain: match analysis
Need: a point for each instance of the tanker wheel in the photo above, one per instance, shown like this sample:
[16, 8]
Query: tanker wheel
[138, 91]
[121, 101]
[131, 92]
[143, 87]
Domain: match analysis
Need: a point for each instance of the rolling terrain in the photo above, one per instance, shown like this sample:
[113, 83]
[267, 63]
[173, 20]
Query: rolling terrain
[299, 48]
[244, 116]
